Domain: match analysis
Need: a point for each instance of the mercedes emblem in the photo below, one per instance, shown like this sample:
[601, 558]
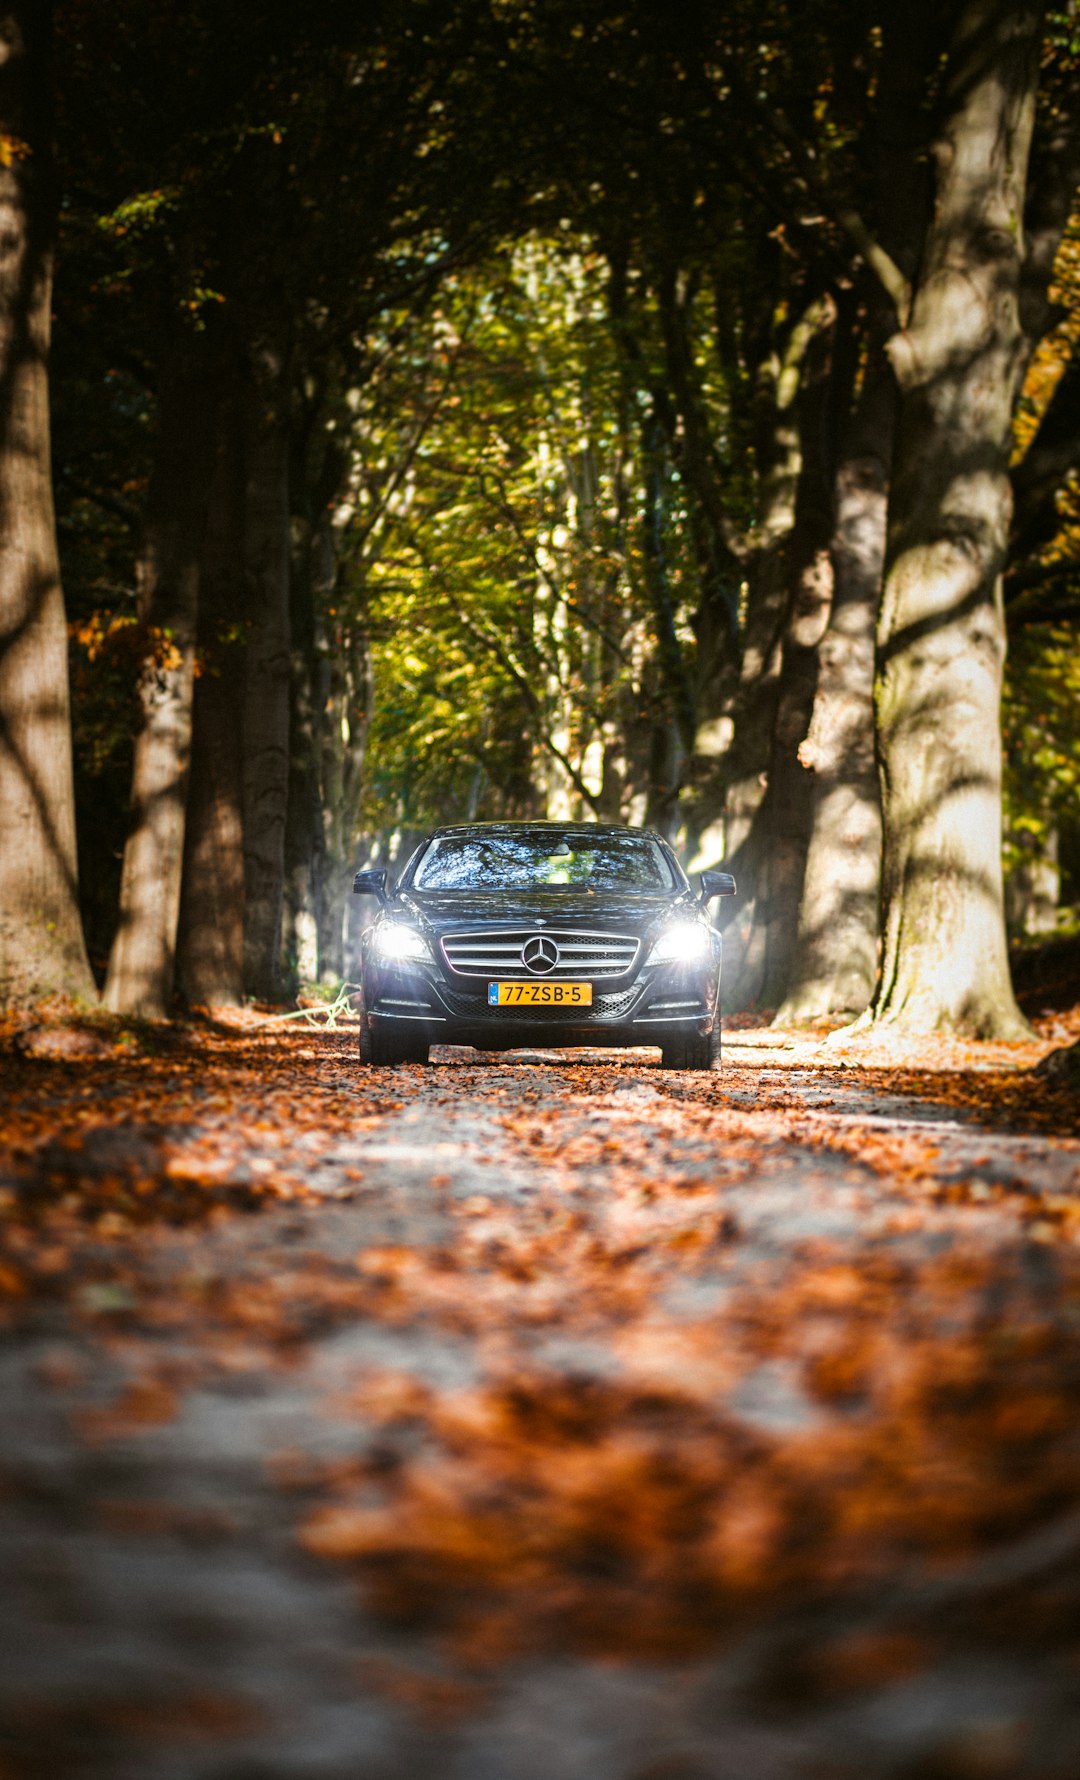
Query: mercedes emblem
[540, 954]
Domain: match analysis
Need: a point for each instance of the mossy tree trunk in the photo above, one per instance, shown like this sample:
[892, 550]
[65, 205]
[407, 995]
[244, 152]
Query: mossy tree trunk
[941, 634]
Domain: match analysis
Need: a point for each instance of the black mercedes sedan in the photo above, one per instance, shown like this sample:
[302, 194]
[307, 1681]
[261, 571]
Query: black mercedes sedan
[545, 934]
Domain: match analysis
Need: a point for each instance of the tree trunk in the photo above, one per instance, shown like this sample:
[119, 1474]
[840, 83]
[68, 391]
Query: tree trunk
[786, 822]
[941, 638]
[835, 962]
[311, 592]
[1033, 886]
[140, 979]
[343, 753]
[836, 954]
[266, 679]
[210, 945]
[41, 941]
[672, 711]
[785, 619]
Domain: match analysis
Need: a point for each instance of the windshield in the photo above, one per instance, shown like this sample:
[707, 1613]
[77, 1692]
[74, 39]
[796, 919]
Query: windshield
[543, 861]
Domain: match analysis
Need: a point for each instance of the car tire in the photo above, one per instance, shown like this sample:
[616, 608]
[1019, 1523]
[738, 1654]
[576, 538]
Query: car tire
[365, 1029]
[388, 1049]
[384, 1049]
[693, 1052]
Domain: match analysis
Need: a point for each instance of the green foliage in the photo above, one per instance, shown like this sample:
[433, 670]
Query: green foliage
[1041, 727]
[495, 537]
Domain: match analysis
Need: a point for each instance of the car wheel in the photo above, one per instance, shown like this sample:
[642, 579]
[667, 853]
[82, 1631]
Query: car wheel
[693, 1052]
[365, 1030]
[383, 1049]
[389, 1048]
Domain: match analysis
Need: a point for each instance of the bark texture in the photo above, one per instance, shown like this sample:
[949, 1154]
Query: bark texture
[210, 946]
[786, 828]
[41, 942]
[331, 710]
[835, 958]
[266, 678]
[834, 968]
[941, 637]
[140, 979]
[305, 861]
[767, 798]
[1033, 887]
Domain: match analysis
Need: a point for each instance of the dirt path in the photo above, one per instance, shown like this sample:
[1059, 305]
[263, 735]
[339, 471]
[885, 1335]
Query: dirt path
[540, 1420]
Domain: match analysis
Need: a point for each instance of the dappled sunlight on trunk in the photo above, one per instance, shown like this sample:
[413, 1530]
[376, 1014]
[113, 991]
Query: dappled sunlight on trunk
[41, 943]
[941, 630]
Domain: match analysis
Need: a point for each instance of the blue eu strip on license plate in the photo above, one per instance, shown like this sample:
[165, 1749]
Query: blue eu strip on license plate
[493, 994]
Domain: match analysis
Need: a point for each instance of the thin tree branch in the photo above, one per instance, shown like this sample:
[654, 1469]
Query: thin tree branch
[109, 503]
[505, 506]
[1042, 592]
[497, 649]
[839, 207]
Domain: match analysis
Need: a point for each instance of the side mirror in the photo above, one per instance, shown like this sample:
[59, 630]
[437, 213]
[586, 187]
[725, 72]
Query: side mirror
[716, 883]
[370, 883]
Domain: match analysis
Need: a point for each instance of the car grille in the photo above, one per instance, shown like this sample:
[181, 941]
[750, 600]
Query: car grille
[580, 954]
[475, 1007]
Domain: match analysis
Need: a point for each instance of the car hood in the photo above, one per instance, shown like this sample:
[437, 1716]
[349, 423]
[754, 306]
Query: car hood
[608, 911]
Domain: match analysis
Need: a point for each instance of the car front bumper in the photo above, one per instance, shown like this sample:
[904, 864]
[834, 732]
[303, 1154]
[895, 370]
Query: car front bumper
[660, 1005]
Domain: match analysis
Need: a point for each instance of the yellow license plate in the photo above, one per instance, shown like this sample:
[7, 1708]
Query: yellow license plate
[539, 994]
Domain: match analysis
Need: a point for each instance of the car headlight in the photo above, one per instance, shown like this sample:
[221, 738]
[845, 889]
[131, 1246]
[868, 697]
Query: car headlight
[398, 944]
[683, 943]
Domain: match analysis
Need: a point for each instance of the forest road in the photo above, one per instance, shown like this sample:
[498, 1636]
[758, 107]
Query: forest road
[548, 1418]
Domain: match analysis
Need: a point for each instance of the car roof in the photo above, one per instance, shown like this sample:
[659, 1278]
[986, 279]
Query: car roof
[481, 828]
